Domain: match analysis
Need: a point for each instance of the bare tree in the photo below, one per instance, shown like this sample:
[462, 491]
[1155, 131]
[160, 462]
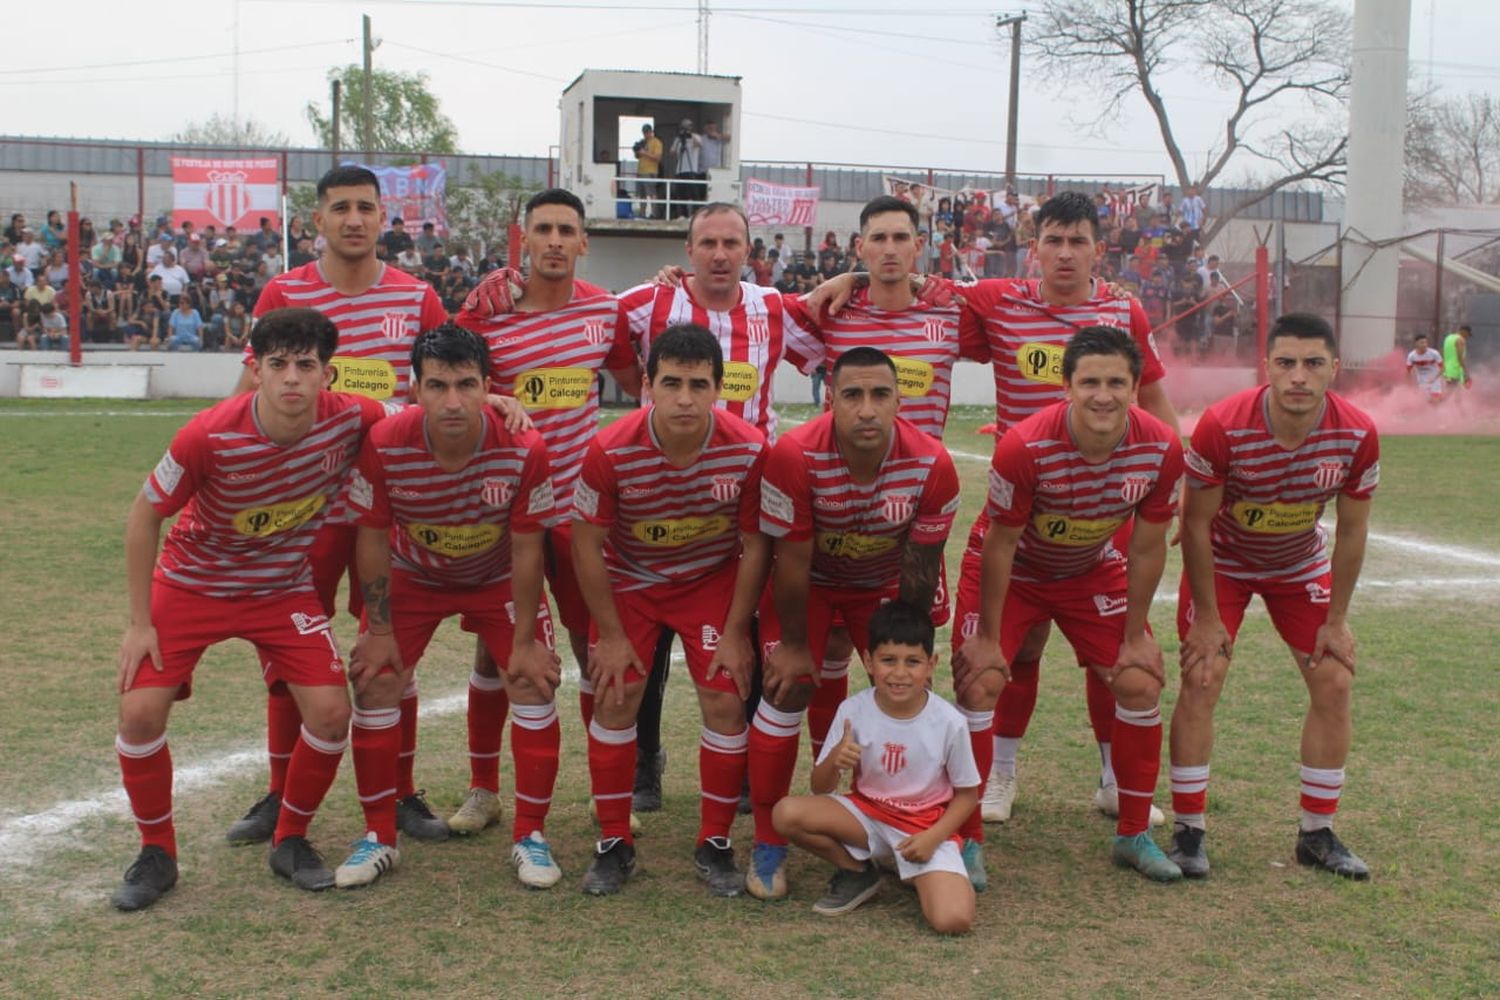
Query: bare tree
[222, 131]
[1453, 150]
[1272, 58]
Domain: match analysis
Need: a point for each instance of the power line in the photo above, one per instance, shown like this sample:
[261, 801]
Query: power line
[170, 59]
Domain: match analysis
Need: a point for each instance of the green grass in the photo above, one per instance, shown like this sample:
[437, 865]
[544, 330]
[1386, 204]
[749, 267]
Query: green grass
[1057, 921]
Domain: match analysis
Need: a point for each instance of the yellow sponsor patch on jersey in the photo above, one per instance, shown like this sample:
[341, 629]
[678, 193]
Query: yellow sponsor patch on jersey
[669, 534]
[554, 388]
[258, 522]
[741, 379]
[1061, 530]
[455, 540]
[850, 545]
[372, 377]
[913, 376]
[1275, 518]
[1040, 363]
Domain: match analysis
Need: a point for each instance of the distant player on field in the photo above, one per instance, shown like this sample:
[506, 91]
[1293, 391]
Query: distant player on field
[1261, 467]
[1456, 360]
[1424, 367]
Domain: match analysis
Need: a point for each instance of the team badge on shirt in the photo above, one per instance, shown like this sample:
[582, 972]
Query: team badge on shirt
[1328, 474]
[1135, 488]
[595, 331]
[934, 330]
[724, 488]
[758, 331]
[393, 327]
[897, 508]
[497, 492]
[332, 459]
[893, 758]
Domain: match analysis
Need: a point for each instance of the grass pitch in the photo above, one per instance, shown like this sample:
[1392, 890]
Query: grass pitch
[1421, 804]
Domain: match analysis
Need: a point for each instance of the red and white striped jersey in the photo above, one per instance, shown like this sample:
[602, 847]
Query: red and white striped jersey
[859, 530]
[754, 336]
[250, 507]
[1268, 524]
[376, 327]
[550, 361]
[923, 340]
[1071, 507]
[451, 529]
[668, 524]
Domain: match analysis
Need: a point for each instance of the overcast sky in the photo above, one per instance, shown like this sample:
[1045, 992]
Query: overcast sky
[825, 80]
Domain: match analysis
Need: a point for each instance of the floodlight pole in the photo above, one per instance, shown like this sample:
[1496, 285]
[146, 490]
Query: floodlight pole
[366, 111]
[1013, 115]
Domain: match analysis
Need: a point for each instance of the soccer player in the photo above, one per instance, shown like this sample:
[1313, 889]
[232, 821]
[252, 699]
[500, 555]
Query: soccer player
[1456, 360]
[1425, 367]
[914, 782]
[1062, 482]
[666, 536]
[451, 508]
[546, 350]
[1261, 466]
[378, 310]
[860, 503]
[254, 477]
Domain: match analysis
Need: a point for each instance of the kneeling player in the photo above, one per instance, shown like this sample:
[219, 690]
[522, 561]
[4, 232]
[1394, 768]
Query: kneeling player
[666, 537]
[914, 782]
[255, 476]
[1062, 482]
[451, 508]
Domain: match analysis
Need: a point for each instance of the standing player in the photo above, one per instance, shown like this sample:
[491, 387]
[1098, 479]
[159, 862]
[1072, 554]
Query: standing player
[1261, 467]
[456, 504]
[1456, 360]
[860, 503]
[665, 536]
[255, 476]
[378, 310]
[1425, 367]
[546, 350]
[1062, 482]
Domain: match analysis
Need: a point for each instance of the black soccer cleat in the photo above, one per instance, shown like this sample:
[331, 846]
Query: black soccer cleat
[415, 819]
[150, 876]
[296, 860]
[1187, 852]
[259, 824]
[613, 864]
[648, 769]
[1323, 849]
[714, 860]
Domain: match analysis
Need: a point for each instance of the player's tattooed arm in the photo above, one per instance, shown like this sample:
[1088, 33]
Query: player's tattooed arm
[377, 596]
[375, 650]
[920, 568]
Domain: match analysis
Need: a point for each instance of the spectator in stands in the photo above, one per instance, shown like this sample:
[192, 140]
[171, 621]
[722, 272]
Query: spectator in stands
[1167, 209]
[760, 267]
[147, 327]
[272, 258]
[221, 296]
[130, 252]
[410, 261]
[434, 264]
[29, 329]
[648, 153]
[186, 327]
[86, 235]
[106, 255]
[829, 265]
[56, 268]
[125, 294]
[10, 304]
[54, 328]
[808, 277]
[194, 258]
[687, 171]
[714, 146]
[32, 252]
[266, 236]
[428, 239]
[393, 242]
[54, 233]
[20, 273]
[173, 278]
[778, 266]
[16, 227]
[1177, 247]
[1193, 210]
[1186, 296]
[159, 248]
[942, 219]
[40, 293]
[787, 283]
[302, 253]
[235, 328]
[99, 313]
[156, 293]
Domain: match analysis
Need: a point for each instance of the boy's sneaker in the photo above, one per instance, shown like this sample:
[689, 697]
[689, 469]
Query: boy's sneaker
[257, 825]
[370, 860]
[1187, 852]
[480, 810]
[648, 769]
[999, 796]
[1322, 849]
[295, 859]
[1107, 801]
[766, 878]
[150, 876]
[973, 855]
[714, 860]
[614, 861]
[532, 857]
[1141, 853]
[848, 889]
[415, 819]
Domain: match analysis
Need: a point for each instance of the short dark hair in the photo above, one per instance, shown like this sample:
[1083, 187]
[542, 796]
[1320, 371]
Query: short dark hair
[715, 208]
[1303, 326]
[294, 330]
[900, 623]
[862, 357]
[450, 344]
[1066, 208]
[1420, 336]
[347, 175]
[555, 196]
[1101, 340]
[1465, 329]
[888, 203]
[686, 343]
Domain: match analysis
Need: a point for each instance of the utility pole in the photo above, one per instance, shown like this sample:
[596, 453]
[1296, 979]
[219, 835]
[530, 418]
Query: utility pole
[367, 106]
[1013, 116]
[703, 13]
[236, 68]
[338, 88]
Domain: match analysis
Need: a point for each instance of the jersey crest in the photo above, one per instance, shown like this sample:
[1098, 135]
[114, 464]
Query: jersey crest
[1328, 474]
[1135, 488]
[893, 758]
[497, 492]
[724, 488]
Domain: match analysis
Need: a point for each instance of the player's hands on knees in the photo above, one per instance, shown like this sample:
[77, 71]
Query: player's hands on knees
[919, 847]
[736, 658]
[138, 644]
[1206, 643]
[846, 755]
[535, 664]
[495, 294]
[670, 275]
[1334, 639]
[977, 656]
[373, 653]
[1140, 652]
[609, 663]
[786, 665]
[512, 413]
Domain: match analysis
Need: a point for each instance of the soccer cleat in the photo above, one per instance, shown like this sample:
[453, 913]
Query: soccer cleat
[415, 819]
[1141, 853]
[257, 825]
[370, 860]
[1187, 852]
[533, 860]
[635, 821]
[614, 861]
[1107, 801]
[714, 860]
[481, 809]
[295, 859]
[766, 878]
[848, 889]
[999, 796]
[973, 855]
[648, 770]
[149, 877]
[1323, 849]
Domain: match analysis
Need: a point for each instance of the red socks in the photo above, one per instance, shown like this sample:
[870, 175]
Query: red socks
[1137, 760]
[1101, 706]
[146, 772]
[1017, 699]
[983, 744]
[612, 774]
[773, 760]
[721, 773]
[833, 688]
[488, 705]
[535, 741]
[283, 725]
[313, 767]
[374, 740]
[408, 758]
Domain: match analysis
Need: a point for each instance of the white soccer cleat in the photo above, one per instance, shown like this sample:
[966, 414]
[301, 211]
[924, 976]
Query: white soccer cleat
[370, 860]
[533, 860]
[1107, 801]
[999, 797]
[481, 809]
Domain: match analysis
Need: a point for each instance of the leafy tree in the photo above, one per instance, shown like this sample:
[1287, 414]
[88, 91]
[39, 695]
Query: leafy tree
[480, 211]
[246, 133]
[406, 115]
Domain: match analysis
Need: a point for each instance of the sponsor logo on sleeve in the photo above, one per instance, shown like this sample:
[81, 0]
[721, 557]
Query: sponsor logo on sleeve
[775, 504]
[542, 500]
[951, 507]
[168, 473]
[1370, 479]
[1198, 464]
[1002, 491]
[361, 493]
[585, 499]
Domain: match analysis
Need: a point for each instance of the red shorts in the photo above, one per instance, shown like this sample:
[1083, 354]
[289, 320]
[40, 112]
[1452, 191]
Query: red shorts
[572, 610]
[1089, 611]
[290, 633]
[332, 558]
[694, 610]
[940, 610]
[848, 606]
[488, 612]
[1297, 610]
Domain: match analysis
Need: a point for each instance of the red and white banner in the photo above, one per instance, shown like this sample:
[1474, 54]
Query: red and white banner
[780, 205]
[224, 193]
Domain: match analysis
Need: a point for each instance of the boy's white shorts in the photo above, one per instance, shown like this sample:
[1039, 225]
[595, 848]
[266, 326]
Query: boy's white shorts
[883, 838]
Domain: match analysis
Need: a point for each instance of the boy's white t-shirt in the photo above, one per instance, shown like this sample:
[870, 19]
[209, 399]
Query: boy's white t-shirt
[908, 768]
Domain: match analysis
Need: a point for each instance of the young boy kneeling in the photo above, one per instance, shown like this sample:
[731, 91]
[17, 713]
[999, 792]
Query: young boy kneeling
[914, 783]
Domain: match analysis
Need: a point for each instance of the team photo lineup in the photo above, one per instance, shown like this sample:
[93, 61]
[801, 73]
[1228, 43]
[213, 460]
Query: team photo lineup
[439, 468]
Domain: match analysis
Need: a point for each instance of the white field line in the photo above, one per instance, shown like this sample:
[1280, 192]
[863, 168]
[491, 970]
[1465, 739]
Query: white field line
[97, 413]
